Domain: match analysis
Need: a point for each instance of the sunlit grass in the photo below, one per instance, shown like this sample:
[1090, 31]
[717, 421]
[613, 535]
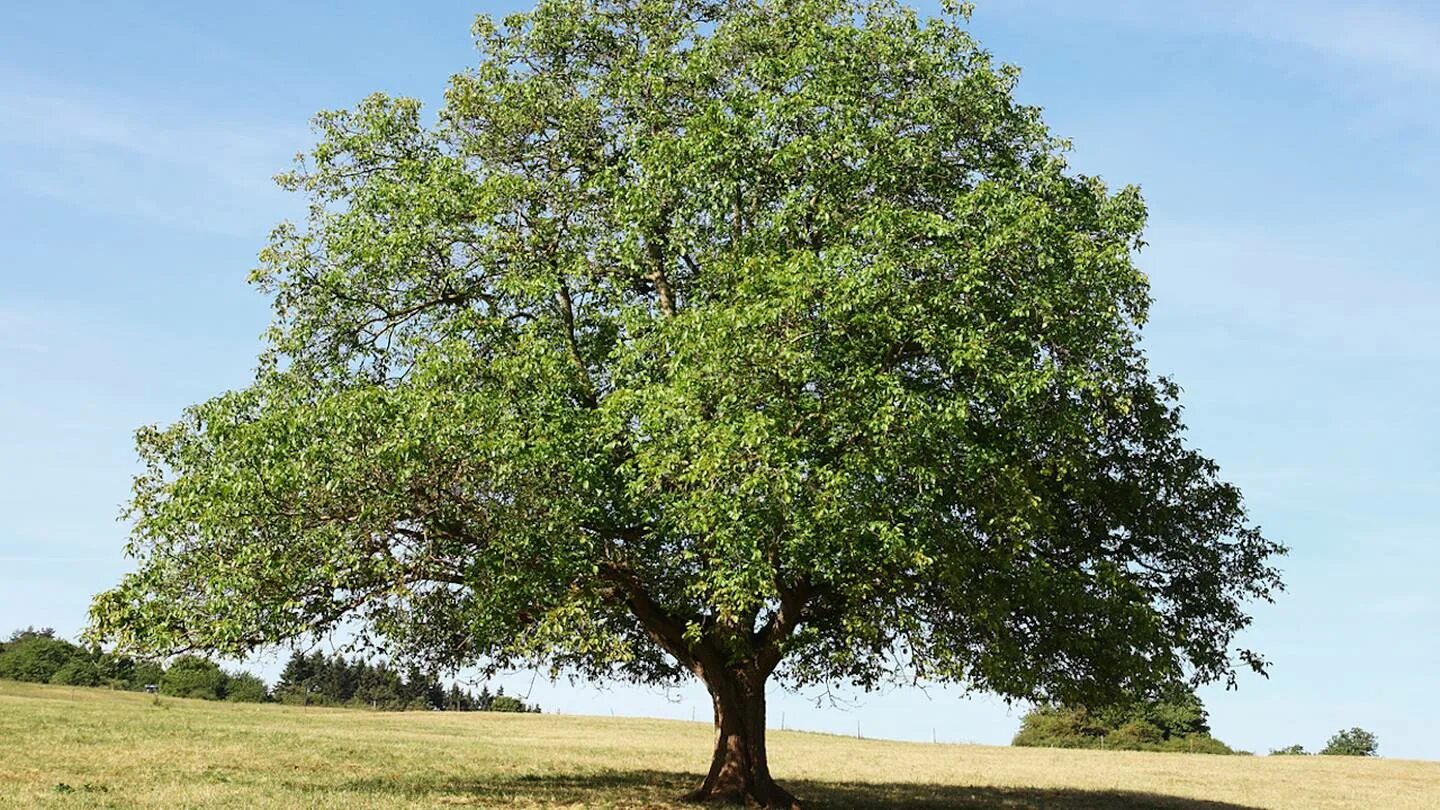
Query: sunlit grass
[62, 747]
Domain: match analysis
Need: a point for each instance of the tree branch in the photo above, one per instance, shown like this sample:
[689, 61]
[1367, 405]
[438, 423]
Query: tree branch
[781, 624]
[658, 278]
[666, 630]
[567, 318]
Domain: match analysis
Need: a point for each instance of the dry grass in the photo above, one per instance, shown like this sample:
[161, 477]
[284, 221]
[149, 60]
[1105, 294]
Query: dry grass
[62, 747]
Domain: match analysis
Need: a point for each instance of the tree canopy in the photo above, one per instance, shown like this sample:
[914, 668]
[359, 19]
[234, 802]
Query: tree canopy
[1352, 742]
[723, 339]
[1176, 720]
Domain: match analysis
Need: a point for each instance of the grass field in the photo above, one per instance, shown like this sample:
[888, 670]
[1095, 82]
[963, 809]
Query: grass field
[62, 747]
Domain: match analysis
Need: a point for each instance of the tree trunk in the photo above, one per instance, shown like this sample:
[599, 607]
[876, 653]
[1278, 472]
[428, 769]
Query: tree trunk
[739, 772]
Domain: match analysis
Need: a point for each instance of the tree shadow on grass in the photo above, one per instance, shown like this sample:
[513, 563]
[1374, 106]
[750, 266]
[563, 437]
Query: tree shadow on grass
[654, 789]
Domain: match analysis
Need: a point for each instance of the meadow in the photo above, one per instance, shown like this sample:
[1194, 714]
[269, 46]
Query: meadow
[77, 747]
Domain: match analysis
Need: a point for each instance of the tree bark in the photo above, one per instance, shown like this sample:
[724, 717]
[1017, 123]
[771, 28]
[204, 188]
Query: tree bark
[739, 770]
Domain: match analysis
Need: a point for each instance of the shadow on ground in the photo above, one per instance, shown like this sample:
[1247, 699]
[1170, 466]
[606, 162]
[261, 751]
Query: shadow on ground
[653, 789]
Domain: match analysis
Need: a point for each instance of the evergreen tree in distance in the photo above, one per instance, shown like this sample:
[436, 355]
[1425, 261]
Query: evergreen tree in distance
[715, 339]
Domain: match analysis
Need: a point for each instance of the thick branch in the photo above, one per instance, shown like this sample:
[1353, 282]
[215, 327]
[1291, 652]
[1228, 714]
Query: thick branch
[666, 630]
[567, 319]
[658, 278]
[784, 621]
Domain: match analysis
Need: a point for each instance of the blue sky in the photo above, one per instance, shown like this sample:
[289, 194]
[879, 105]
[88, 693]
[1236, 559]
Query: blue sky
[1288, 152]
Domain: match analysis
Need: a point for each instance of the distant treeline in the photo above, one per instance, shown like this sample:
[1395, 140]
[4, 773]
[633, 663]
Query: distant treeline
[318, 679]
[38, 656]
[1175, 721]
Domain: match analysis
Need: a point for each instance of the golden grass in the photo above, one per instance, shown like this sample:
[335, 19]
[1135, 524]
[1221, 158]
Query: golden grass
[63, 747]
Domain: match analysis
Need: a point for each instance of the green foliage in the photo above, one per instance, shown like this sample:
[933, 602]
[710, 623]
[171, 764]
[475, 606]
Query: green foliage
[317, 679]
[244, 687]
[699, 337]
[190, 676]
[145, 673]
[78, 671]
[506, 703]
[1353, 742]
[38, 656]
[35, 656]
[1174, 722]
[1289, 751]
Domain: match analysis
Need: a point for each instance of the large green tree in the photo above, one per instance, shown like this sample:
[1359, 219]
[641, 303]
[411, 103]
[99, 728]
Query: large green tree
[728, 339]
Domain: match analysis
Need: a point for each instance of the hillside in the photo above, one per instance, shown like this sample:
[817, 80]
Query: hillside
[66, 747]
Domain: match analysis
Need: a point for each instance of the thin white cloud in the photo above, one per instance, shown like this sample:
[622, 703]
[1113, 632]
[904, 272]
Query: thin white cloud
[179, 167]
[1305, 287]
[1372, 35]
[1386, 35]
[1386, 54]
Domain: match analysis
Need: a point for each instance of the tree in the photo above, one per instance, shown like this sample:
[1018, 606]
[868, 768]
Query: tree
[245, 687]
[1174, 721]
[28, 634]
[191, 676]
[35, 656]
[145, 674]
[1354, 742]
[297, 672]
[379, 688]
[728, 340]
[78, 671]
[506, 703]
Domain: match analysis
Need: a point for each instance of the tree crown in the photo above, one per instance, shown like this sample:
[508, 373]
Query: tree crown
[697, 335]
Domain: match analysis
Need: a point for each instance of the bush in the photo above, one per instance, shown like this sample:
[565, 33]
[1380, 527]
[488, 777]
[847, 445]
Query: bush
[78, 671]
[35, 657]
[1060, 727]
[193, 677]
[243, 687]
[1174, 723]
[1136, 735]
[38, 656]
[505, 703]
[145, 673]
[1354, 742]
[1194, 744]
[1289, 751]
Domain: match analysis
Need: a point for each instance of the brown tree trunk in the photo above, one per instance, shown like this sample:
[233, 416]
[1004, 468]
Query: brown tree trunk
[739, 772]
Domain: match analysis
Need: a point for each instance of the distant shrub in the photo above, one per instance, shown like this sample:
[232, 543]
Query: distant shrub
[1354, 742]
[145, 673]
[39, 657]
[1136, 735]
[35, 657]
[78, 671]
[193, 677]
[1175, 723]
[1195, 744]
[506, 703]
[1289, 751]
[243, 687]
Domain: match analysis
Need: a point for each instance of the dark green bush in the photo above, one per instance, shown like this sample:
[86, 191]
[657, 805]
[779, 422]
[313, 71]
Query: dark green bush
[78, 671]
[193, 677]
[243, 687]
[1353, 742]
[1175, 723]
[505, 703]
[35, 656]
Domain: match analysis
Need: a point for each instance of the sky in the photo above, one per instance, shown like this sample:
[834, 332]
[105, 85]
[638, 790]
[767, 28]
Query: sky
[1289, 153]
